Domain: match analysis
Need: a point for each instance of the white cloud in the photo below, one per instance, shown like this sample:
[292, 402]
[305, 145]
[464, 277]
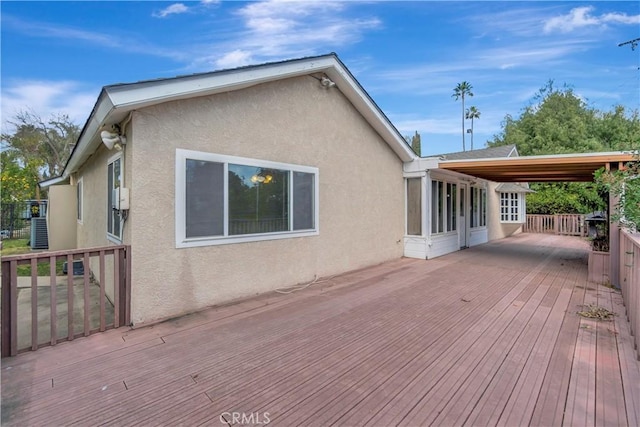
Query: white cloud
[173, 9]
[121, 43]
[46, 98]
[581, 17]
[237, 58]
[276, 29]
[621, 18]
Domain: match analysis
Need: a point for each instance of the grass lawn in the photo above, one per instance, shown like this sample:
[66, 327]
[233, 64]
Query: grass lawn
[21, 246]
[15, 247]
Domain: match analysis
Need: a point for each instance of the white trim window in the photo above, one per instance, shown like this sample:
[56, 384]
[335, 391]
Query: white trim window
[478, 207]
[512, 207]
[226, 199]
[443, 205]
[114, 179]
[79, 200]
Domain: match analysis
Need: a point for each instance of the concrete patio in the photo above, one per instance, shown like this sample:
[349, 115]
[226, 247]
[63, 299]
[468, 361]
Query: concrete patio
[485, 336]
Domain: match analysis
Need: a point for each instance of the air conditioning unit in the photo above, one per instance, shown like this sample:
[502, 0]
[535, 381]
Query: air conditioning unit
[39, 234]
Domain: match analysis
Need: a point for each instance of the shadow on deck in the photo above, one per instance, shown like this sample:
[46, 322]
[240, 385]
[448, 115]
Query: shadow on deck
[484, 336]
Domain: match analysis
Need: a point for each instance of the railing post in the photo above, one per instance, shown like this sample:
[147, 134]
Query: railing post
[6, 310]
[122, 285]
[127, 293]
[614, 245]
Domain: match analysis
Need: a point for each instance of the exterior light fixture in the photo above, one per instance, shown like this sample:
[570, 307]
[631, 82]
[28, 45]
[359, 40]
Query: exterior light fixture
[113, 139]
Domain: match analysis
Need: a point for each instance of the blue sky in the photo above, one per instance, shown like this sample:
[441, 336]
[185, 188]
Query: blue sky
[408, 55]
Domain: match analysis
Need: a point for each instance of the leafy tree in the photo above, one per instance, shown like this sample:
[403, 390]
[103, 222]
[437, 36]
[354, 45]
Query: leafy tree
[625, 184]
[18, 181]
[415, 143]
[43, 145]
[564, 197]
[556, 122]
[471, 114]
[462, 90]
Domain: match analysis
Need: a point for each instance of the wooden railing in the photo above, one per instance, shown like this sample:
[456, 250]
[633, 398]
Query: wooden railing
[563, 224]
[35, 305]
[629, 278]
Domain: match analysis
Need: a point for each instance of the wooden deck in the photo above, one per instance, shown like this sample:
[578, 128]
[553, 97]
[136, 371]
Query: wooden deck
[485, 336]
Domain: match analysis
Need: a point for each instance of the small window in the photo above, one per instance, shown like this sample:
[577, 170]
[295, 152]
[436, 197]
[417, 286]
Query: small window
[443, 205]
[414, 206]
[114, 178]
[79, 200]
[451, 206]
[478, 207]
[511, 207]
[225, 199]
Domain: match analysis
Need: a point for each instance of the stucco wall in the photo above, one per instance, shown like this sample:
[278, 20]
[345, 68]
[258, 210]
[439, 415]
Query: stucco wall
[61, 217]
[497, 229]
[92, 232]
[292, 121]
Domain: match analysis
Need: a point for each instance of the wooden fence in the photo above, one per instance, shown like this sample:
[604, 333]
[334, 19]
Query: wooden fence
[629, 277]
[37, 298]
[563, 224]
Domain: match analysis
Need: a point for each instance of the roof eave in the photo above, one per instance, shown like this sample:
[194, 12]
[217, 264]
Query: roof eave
[116, 101]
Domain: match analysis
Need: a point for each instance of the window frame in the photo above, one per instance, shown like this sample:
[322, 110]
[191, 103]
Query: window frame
[182, 241]
[80, 200]
[507, 215]
[116, 238]
[479, 211]
[443, 195]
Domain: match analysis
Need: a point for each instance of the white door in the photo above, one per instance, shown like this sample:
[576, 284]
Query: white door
[463, 216]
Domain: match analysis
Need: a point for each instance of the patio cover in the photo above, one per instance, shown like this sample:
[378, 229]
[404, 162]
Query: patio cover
[552, 168]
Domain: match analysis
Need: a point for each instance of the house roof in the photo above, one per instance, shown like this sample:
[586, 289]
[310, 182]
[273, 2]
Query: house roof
[483, 153]
[512, 187]
[116, 102]
[549, 168]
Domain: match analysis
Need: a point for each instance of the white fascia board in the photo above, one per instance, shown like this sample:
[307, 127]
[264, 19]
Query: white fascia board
[90, 139]
[52, 181]
[144, 94]
[455, 175]
[421, 164]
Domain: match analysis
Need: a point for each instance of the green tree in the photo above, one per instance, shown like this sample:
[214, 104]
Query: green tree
[41, 144]
[415, 143]
[18, 181]
[471, 114]
[462, 90]
[556, 122]
[625, 185]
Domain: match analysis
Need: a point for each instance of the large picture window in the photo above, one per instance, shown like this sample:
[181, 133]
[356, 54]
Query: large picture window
[225, 199]
[511, 207]
[114, 177]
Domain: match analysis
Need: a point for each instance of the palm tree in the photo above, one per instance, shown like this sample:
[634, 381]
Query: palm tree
[472, 113]
[460, 91]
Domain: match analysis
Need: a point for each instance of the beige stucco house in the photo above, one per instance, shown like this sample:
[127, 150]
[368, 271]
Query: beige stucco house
[238, 182]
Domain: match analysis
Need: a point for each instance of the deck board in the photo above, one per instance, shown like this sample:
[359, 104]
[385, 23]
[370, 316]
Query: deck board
[485, 336]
